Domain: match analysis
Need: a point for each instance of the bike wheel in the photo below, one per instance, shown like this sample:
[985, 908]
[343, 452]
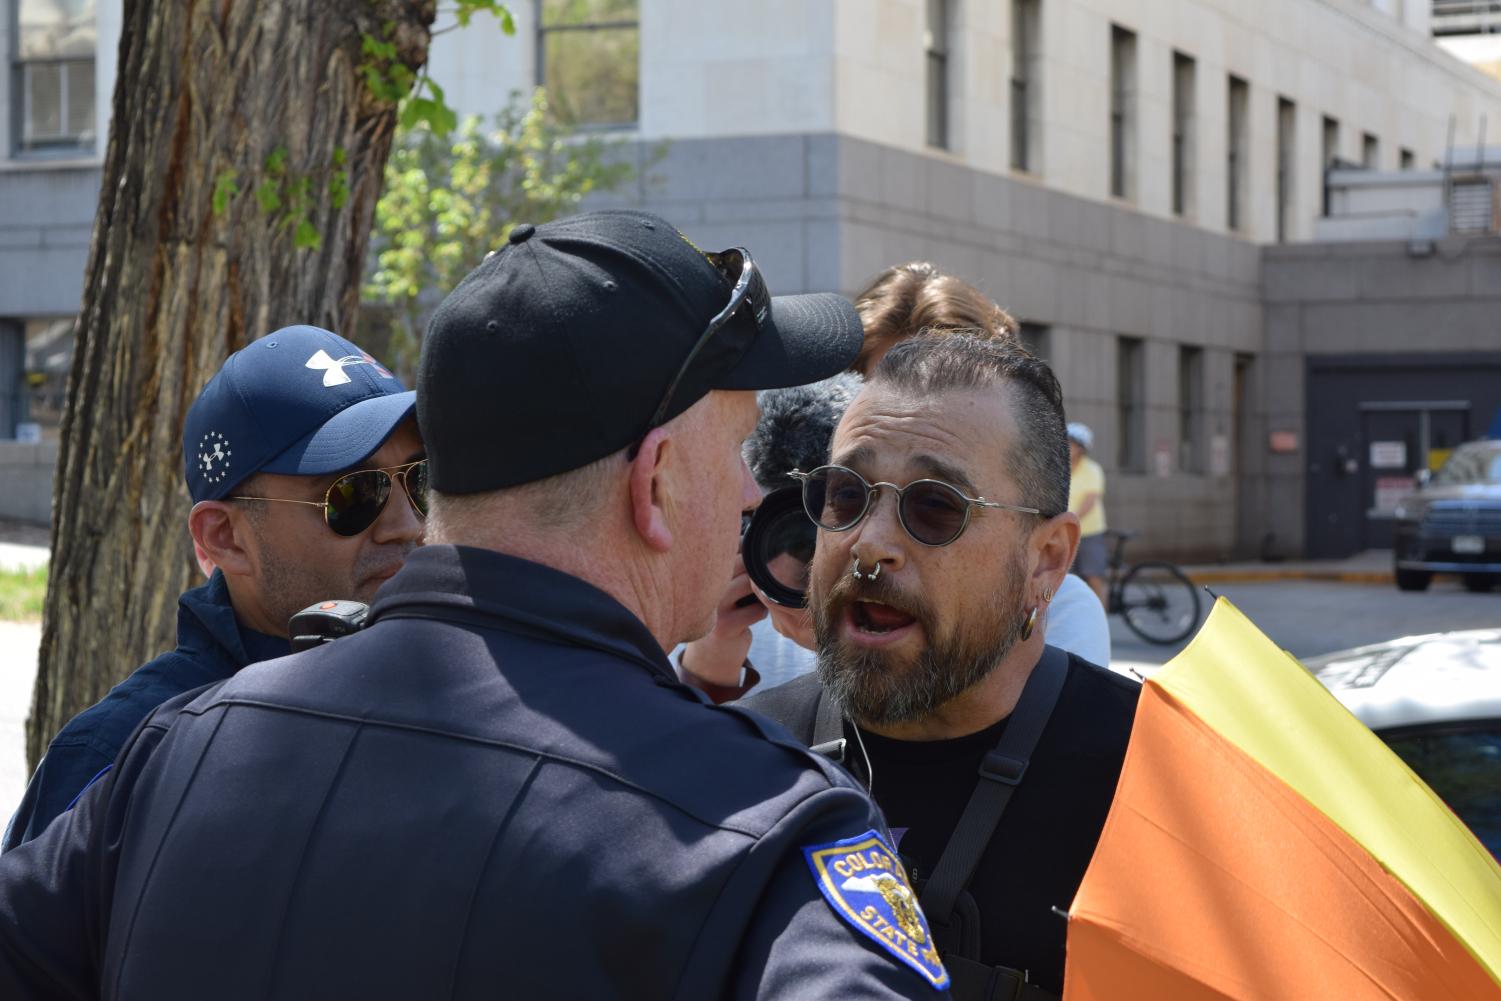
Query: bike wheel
[1159, 603]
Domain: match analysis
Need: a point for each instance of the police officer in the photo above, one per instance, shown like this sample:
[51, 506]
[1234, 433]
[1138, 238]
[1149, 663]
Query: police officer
[293, 455]
[499, 788]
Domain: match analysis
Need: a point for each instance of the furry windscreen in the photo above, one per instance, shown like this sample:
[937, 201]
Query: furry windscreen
[796, 428]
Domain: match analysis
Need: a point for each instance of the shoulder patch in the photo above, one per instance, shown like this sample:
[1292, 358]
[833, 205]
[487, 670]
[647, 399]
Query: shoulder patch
[866, 885]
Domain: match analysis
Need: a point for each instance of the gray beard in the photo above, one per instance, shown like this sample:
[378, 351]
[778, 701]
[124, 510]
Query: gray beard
[875, 688]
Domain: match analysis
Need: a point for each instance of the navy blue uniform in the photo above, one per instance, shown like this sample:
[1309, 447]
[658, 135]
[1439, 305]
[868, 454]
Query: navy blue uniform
[497, 790]
[211, 646]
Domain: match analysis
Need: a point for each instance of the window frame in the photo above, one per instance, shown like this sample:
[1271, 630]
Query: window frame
[1183, 125]
[70, 142]
[1130, 387]
[1123, 96]
[937, 87]
[539, 10]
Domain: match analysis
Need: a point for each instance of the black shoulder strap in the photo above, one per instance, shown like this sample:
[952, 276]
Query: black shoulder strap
[828, 728]
[1000, 773]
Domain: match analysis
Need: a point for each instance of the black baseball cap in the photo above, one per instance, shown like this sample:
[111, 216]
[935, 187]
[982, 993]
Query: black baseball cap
[560, 347]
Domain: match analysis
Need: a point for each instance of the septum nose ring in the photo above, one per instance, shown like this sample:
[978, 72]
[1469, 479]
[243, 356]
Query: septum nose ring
[855, 570]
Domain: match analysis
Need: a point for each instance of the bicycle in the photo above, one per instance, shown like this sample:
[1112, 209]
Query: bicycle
[1157, 600]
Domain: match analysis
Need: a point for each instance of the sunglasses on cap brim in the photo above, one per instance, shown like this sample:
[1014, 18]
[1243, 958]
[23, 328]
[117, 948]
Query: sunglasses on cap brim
[356, 500]
[748, 291]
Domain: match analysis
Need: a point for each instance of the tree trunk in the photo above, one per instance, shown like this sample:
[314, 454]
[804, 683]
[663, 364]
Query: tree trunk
[238, 127]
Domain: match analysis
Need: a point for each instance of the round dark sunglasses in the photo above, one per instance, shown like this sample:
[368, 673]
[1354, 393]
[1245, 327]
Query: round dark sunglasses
[933, 512]
[355, 500]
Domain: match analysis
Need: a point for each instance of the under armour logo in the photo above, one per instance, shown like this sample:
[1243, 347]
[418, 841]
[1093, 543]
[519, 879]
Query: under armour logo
[333, 368]
[215, 449]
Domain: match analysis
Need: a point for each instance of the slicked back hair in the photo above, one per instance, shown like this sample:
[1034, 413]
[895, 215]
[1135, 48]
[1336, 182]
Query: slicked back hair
[925, 366]
[916, 297]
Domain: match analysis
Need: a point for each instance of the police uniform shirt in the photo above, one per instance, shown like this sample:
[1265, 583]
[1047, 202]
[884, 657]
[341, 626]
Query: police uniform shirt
[496, 790]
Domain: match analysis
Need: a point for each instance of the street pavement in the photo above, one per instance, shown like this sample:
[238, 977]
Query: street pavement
[1310, 617]
[1304, 617]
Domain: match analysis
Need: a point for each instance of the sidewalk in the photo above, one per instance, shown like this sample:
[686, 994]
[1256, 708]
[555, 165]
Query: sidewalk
[22, 546]
[1373, 566]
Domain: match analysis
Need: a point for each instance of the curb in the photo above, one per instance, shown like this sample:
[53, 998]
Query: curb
[1268, 576]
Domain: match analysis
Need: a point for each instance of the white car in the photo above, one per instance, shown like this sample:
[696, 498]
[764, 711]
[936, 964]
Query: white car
[1436, 701]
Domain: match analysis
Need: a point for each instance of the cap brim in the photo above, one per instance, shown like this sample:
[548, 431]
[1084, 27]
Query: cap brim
[806, 338]
[348, 437]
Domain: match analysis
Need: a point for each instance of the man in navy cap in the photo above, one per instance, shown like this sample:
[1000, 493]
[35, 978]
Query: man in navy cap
[291, 455]
[499, 788]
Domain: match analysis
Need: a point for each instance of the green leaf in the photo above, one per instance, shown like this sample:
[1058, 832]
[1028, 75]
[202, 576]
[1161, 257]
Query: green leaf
[268, 193]
[338, 189]
[307, 236]
[340, 157]
[276, 161]
[507, 22]
[225, 188]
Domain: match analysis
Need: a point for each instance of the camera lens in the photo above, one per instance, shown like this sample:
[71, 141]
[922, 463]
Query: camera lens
[778, 547]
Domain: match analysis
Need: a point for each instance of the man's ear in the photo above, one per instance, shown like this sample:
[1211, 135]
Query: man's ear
[220, 537]
[1054, 543]
[648, 487]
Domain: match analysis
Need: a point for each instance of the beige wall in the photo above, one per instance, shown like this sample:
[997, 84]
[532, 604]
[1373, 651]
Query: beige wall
[1373, 71]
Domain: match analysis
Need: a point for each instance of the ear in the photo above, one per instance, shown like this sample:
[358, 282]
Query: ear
[1054, 543]
[220, 538]
[648, 503]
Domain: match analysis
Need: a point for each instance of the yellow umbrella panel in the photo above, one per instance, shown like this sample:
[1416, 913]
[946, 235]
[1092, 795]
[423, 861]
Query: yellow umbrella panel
[1263, 843]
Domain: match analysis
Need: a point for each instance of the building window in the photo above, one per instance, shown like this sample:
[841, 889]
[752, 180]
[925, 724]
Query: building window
[1035, 338]
[1406, 159]
[1191, 409]
[1131, 405]
[48, 356]
[53, 77]
[588, 58]
[1370, 151]
[1236, 166]
[1330, 154]
[936, 42]
[1026, 74]
[1287, 158]
[1183, 134]
[1122, 111]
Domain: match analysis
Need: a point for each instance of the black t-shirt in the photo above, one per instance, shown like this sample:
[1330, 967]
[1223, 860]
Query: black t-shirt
[1048, 833]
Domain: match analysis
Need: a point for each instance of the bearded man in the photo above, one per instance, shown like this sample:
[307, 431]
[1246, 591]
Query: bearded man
[944, 533]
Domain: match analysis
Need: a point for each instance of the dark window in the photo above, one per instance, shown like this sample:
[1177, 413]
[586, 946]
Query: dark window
[936, 42]
[1122, 110]
[1287, 158]
[1026, 34]
[1191, 409]
[1183, 133]
[589, 59]
[1406, 159]
[1370, 151]
[1330, 154]
[1460, 762]
[1131, 417]
[1035, 337]
[1236, 166]
[53, 76]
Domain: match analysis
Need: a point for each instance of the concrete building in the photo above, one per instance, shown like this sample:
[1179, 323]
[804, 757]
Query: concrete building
[1112, 171]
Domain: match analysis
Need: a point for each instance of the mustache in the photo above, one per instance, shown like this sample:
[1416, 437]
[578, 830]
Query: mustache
[846, 590]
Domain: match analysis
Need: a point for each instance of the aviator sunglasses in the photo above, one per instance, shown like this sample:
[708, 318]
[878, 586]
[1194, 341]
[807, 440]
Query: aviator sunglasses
[356, 500]
[933, 512]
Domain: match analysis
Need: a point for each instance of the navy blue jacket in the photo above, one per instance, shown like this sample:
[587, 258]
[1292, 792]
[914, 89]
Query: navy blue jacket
[498, 789]
[211, 646]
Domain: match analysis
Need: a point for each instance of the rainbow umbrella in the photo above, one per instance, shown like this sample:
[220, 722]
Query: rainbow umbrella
[1264, 843]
